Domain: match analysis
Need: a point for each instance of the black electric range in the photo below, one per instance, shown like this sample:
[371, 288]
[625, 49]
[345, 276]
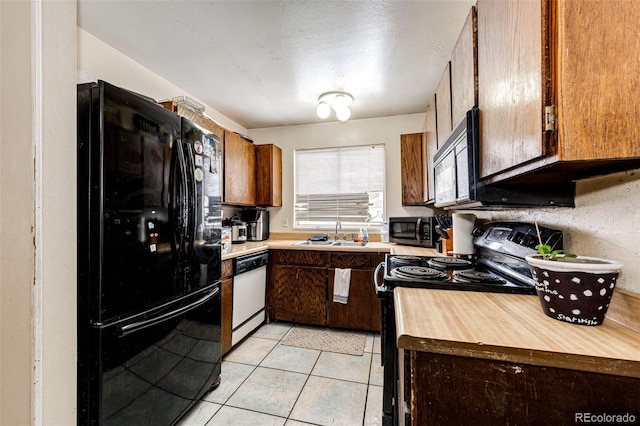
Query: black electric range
[498, 266]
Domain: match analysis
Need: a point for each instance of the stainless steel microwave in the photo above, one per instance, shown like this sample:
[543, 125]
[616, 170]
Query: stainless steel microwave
[413, 231]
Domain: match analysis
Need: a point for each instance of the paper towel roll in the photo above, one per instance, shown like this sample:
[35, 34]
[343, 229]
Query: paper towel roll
[463, 225]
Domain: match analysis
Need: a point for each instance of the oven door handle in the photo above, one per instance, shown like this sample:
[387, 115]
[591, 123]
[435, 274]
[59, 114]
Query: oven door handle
[379, 288]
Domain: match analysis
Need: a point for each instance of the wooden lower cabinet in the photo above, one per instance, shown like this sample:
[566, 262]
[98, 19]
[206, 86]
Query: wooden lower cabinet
[301, 289]
[447, 390]
[298, 294]
[362, 311]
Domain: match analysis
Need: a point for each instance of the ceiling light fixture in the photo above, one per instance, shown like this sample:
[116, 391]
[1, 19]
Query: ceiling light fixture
[337, 101]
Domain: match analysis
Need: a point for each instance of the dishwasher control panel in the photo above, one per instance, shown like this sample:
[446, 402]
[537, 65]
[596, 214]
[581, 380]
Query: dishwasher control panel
[250, 261]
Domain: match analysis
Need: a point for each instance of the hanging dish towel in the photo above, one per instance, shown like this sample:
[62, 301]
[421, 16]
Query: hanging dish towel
[341, 283]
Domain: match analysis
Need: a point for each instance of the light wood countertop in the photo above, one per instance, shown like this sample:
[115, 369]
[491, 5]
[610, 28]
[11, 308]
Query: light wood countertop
[510, 327]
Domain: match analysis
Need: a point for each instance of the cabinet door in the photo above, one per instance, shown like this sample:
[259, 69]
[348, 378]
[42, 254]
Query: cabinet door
[239, 170]
[510, 83]
[411, 169]
[597, 101]
[464, 65]
[298, 294]
[363, 310]
[430, 147]
[443, 106]
[268, 175]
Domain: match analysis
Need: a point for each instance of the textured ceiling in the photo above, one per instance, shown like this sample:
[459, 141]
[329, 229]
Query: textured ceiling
[264, 63]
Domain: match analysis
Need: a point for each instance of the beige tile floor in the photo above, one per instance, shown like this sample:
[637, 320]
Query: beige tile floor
[267, 383]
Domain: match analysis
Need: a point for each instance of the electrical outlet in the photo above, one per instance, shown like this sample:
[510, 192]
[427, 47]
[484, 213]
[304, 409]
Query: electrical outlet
[285, 222]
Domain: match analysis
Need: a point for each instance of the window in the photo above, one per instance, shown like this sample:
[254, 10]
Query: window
[343, 184]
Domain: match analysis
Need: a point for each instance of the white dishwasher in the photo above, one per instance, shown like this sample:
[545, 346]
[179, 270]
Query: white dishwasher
[249, 294]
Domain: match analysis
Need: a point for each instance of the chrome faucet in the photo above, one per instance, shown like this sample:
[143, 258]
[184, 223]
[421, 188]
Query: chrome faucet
[338, 226]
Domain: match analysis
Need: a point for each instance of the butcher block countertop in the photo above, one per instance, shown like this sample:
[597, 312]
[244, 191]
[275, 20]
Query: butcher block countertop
[510, 327]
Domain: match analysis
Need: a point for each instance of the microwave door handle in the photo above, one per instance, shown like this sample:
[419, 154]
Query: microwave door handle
[418, 228]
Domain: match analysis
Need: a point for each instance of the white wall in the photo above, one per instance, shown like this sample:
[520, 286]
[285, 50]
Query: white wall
[385, 130]
[99, 61]
[604, 223]
[37, 213]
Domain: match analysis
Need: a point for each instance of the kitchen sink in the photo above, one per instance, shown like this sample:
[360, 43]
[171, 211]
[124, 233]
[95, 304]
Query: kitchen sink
[344, 243]
[313, 243]
[331, 243]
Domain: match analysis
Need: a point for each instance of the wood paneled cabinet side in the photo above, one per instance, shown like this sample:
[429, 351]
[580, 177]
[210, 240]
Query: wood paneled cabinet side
[464, 70]
[195, 117]
[500, 392]
[226, 305]
[430, 147]
[239, 170]
[268, 175]
[443, 106]
[538, 54]
[412, 169]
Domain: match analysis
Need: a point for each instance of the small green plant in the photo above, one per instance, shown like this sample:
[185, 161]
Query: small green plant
[548, 254]
[545, 249]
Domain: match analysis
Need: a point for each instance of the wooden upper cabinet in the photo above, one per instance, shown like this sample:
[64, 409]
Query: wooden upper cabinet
[411, 169]
[268, 175]
[510, 81]
[443, 106]
[597, 100]
[464, 70]
[239, 170]
[430, 147]
[566, 63]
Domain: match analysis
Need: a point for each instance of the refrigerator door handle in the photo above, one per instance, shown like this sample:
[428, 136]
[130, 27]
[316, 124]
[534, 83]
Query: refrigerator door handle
[184, 198]
[140, 325]
[191, 196]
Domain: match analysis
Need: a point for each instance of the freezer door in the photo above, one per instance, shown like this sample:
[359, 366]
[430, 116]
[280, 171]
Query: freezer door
[151, 368]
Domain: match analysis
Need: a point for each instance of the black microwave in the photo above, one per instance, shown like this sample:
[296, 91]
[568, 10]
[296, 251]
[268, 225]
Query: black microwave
[413, 231]
[457, 183]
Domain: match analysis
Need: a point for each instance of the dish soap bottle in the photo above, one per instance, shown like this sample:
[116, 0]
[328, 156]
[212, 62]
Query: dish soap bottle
[361, 236]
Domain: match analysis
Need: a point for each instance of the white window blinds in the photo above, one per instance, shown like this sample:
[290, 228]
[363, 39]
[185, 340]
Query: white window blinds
[339, 184]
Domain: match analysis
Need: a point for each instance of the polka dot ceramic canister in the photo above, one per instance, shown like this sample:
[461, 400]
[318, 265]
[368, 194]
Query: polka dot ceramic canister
[575, 290]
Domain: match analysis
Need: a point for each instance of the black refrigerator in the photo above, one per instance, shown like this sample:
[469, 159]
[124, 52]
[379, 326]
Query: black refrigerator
[149, 260]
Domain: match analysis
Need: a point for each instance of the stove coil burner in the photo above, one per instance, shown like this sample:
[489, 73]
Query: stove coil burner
[450, 263]
[419, 273]
[478, 278]
[407, 260]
